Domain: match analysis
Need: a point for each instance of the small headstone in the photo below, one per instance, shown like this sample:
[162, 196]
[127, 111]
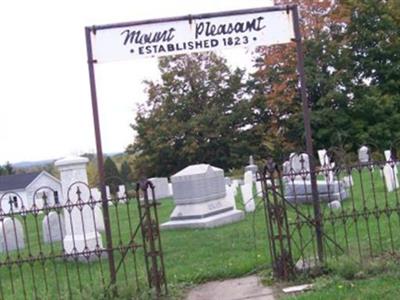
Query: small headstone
[348, 181]
[121, 193]
[161, 187]
[363, 154]
[334, 205]
[251, 167]
[228, 181]
[259, 188]
[11, 235]
[98, 215]
[170, 191]
[53, 227]
[323, 158]
[390, 172]
[248, 198]
[230, 195]
[248, 177]
[300, 163]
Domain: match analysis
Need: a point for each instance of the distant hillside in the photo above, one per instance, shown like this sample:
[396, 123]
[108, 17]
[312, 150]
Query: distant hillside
[32, 164]
[44, 163]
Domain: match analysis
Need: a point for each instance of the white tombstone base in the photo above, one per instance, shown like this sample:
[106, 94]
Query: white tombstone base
[208, 214]
[80, 241]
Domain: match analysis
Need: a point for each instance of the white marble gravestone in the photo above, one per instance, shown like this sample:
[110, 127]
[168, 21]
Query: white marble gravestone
[73, 175]
[248, 197]
[161, 188]
[96, 195]
[11, 235]
[200, 199]
[363, 154]
[53, 227]
[251, 167]
[297, 185]
[326, 165]
[390, 173]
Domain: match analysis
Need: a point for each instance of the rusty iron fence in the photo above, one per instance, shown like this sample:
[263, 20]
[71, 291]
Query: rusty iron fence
[55, 248]
[358, 217]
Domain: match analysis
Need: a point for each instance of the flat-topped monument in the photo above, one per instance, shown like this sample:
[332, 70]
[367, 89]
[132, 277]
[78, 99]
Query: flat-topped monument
[201, 199]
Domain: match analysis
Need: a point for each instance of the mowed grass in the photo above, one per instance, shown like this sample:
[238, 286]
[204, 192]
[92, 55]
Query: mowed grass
[195, 256]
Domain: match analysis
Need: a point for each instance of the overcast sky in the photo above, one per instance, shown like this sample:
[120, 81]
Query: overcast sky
[44, 91]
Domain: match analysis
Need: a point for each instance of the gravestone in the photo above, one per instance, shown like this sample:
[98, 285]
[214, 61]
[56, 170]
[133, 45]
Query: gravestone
[251, 167]
[230, 195]
[390, 173]
[326, 165]
[248, 197]
[201, 200]
[121, 193]
[334, 204]
[248, 177]
[297, 184]
[363, 155]
[98, 214]
[259, 188]
[161, 188]
[11, 235]
[53, 227]
[81, 234]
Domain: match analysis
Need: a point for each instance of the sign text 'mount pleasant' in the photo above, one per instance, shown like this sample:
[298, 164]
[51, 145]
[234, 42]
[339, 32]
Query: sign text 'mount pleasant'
[160, 39]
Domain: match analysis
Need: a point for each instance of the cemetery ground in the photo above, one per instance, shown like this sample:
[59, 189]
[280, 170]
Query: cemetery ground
[196, 256]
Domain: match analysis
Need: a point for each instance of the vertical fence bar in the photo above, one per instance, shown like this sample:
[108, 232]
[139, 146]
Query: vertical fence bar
[307, 128]
[100, 162]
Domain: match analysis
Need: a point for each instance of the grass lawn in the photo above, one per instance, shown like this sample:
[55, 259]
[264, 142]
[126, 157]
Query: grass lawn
[195, 256]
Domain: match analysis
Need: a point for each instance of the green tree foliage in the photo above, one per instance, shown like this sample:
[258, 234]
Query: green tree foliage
[197, 114]
[112, 175]
[126, 172]
[352, 68]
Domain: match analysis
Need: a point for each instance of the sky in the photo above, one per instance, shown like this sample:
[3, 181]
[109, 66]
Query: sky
[45, 99]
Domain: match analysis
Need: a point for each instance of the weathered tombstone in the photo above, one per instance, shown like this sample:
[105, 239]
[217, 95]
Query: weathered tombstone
[11, 235]
[259, 188]
[161, 188]
[248, 177]
[53, 227]
[96, 195]
[251, 167]
[297, 184]
[230, 195]
[201, 199]
[334, 204]
[170, 191]
[98, 215]
[348, 181]
[247, 197]
[390, 173]
[228, 181]
[79, 222]
[363, 155]
[326, 165]
[121, 193]
[300, 166]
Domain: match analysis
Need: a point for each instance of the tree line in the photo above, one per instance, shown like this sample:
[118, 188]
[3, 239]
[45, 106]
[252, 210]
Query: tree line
[203, 111]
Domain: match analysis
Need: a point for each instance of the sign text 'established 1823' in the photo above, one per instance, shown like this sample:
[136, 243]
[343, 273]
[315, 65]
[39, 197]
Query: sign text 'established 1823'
[192, 35]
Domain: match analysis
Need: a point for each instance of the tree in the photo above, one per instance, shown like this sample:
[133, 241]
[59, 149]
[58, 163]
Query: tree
[9, 170]
[112, 175]
[352, 59]
[126, 172]
[198, 113]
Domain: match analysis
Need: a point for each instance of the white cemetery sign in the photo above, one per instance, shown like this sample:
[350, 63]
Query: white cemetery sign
[257, 27]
